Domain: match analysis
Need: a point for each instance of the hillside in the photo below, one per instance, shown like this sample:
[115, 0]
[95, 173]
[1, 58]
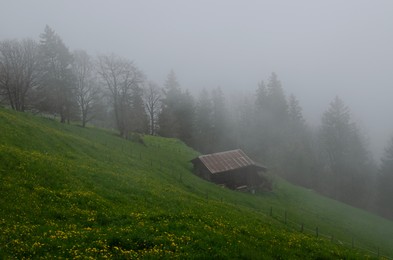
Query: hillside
[71, 192]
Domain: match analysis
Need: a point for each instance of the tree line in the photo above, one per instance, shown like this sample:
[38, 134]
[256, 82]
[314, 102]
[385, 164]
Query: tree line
[111, 91]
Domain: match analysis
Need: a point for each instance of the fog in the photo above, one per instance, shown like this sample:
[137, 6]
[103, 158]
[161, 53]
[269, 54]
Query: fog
[319, 49]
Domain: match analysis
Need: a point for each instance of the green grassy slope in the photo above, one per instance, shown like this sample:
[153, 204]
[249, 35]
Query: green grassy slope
[70, 192]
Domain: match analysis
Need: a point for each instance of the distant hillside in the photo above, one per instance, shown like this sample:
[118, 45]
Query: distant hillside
[70, 192]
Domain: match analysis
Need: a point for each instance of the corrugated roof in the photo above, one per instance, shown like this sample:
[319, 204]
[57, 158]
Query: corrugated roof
[226, 161]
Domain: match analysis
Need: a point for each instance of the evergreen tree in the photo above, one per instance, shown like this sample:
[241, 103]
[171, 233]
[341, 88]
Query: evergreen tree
[244, 133]
[274, 124]
[336, 131]
[259, 121]
[177, 114]
[295, 113]
[204, 123]
[261, 101]
[169, 125]
[346, 157]
[221, 131]
[299, 161]
[139, 119]
[276, 101]
[385, 183]
[185, 118]
[57, 94]
[262, 119]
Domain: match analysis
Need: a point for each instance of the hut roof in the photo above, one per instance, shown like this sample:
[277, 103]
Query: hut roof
[227, 161]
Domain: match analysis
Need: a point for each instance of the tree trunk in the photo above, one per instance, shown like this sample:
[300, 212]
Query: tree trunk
[152, 125]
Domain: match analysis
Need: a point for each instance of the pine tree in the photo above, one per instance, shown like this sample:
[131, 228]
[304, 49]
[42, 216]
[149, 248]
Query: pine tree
[204, 123]
[276, 101]
[299, 160]
[274, 127]
[168, 121]
[139, 121]
[221, 131]
[261, 101]
[347, 158]
[244, 133]
[185, 117]
[177, 114]
[336, 131]
[261, 122]
[57, 94]
[385, 183]
[295, 113]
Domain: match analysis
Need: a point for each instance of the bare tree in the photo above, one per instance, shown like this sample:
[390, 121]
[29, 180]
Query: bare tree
[120, 76]
[86, 88]
[19, 70]
[152, 97]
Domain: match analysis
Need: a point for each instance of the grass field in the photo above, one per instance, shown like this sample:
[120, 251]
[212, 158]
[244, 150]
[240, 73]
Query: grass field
[72, 192]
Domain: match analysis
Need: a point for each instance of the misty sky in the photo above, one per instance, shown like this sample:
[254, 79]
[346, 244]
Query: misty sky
[319, 49]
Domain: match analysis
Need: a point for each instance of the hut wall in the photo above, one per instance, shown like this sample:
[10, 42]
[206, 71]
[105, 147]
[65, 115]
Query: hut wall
[201, 170]
[240, 177]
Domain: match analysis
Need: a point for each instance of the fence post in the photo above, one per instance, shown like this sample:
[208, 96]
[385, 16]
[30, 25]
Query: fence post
[317, 231]
[332, 239]
[301, 227]
[353, 243]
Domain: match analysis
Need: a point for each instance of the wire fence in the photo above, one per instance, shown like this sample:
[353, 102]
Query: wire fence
[302, 228]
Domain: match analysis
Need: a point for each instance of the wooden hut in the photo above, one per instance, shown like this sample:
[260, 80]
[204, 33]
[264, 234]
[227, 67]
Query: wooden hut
[232, 169]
